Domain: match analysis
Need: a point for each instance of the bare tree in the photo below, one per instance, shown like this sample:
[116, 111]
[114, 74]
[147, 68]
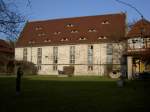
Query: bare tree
[10, 20]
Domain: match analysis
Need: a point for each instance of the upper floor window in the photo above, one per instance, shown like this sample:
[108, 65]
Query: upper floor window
[41, 34]
[39, 56]
[92, 30]
[31, 42]
[136, 43]
[82, 38]
[64, 39]
[109, 53]
[57, 33]
[72, 54]
[38, 28]
[47, 40]
[74, 31]
[105, 22]
[25, 54]
[90, 57]
[102, 37]
[70, 25]
[109, 49]
[55, 58]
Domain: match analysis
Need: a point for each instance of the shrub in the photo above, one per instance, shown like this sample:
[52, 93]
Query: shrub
[28, 67]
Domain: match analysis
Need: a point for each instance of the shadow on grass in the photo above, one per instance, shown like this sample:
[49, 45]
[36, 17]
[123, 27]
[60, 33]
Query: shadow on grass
[48, 94]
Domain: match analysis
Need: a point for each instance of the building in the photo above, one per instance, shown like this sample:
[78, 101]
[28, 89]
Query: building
[91, 44]
[138, 51]
[6, 57]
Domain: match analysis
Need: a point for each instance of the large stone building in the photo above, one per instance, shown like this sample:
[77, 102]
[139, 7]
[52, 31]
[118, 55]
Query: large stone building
[91, 44]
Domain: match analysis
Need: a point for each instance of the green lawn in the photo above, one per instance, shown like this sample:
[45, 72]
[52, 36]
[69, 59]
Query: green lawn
[73, 94]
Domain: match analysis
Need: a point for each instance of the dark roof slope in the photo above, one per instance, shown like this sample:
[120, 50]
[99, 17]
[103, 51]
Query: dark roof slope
[89, 29]
[140, 27]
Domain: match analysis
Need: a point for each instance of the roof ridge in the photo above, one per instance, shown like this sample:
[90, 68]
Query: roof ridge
[66, 18]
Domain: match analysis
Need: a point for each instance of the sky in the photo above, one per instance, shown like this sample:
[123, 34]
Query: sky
[52, 9]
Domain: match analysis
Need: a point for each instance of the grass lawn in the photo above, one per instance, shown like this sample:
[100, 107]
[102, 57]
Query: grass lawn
[73, 94]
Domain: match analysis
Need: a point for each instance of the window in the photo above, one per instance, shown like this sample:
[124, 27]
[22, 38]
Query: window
[64, 39]
[90, 57]
[136, 43]
[54, 67]
[102, 37]
[38, 28]
[105, 22]
[82, 38]
[39, 56]
[25, 54]
[70, 25]
[109, 59]
[47, 40]
[109, 49]
[39, 67]
[55, 58]
[72, 54]
[90, 68]
[92, 30]
[109, 53]
[74, 31]
[41, 34]
[57, 33]
[31, 42]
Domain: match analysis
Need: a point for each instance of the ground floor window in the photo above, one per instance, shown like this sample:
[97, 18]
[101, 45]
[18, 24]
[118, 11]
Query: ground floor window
[54, 67]
[38, 67]
[90, 67]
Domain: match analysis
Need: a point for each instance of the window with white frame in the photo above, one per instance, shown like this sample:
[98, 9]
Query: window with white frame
[72, 54]
[136, 43]
[55, 58]
[25, 53]
[90, 57]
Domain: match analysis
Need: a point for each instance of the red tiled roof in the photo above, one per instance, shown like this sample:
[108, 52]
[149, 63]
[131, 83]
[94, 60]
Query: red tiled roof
[89, 29]
[5, 47]
[140, 27]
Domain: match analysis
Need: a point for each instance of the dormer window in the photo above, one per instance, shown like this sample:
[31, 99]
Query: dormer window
[105, 22]
[64, 39]
[92, 30]
[74, 31]
[38, 28]
[31, 42]
[41, 34]
[70, 25]
[57, 33]
[82, 38]
[102, 37]
[47, 40]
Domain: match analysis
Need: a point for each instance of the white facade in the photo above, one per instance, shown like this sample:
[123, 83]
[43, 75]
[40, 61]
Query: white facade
[100, 58]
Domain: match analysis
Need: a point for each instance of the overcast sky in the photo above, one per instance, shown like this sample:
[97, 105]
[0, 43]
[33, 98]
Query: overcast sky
[51, 9]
